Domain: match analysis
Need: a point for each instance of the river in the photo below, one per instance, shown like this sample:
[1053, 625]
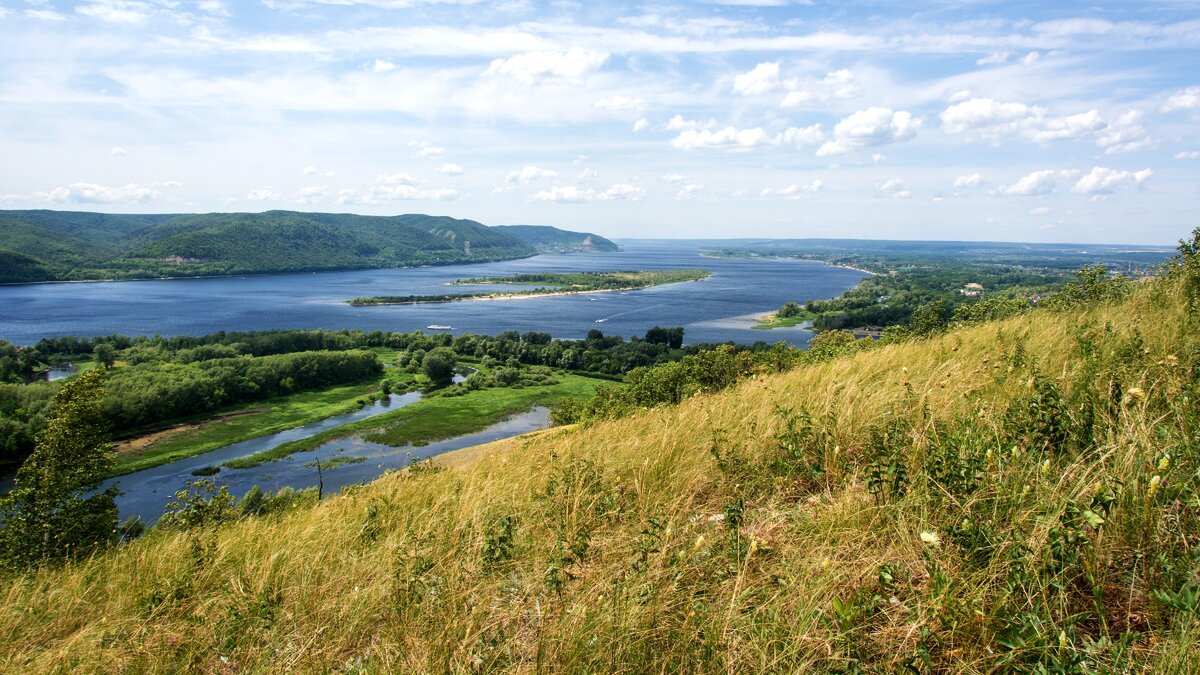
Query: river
[713, 310]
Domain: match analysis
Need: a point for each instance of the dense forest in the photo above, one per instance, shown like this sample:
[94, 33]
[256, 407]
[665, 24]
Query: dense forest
[61, 245]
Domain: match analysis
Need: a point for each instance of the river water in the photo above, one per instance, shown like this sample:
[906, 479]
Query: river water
[713, 310]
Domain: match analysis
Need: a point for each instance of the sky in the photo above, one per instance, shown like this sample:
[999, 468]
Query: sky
[1001, 121]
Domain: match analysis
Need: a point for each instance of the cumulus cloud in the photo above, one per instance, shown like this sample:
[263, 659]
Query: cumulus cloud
[44, 15]
[968, 180]
[672, 178]
[836, 84]
[1188, 154]
[619, 103]
[1184, 99]
[528, 174]
[995, 58]
[587, 175]
[688, 190]
[451, 170]
[1126, 134]
[641, 125]
[729, 138]
[795, 190]
[803, 137]
[1035, 184]
[311, 195]
[678, 122]
[430, 151]
[383, 66]
[395, 187]
[311, 170]
[990, 119]
[529, 67]
[118, 152]
[873, 126]
[1102, 181]
[574, 195]
[759, 80]
[91, 193]
[262, 194]
[896, 187]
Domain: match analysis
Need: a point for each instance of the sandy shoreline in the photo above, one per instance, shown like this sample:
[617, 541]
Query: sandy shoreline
[522, 296]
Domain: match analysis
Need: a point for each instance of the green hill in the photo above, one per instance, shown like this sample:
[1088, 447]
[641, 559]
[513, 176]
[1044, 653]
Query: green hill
[65, 245]
[548, 239]
[1008, 496]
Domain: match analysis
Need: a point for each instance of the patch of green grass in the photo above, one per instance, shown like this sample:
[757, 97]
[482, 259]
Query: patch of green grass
[334, 462]
[437, 418]
[243, 422]
[772, 321]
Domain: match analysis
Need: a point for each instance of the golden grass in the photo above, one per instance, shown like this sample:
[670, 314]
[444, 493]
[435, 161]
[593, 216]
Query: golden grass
[391, 578]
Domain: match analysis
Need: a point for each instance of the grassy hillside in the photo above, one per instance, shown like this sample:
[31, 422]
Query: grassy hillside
[548, 239]
[77, 245]
[1011, 496]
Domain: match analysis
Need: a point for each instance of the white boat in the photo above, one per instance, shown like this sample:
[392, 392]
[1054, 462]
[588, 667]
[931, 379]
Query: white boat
[438, 326]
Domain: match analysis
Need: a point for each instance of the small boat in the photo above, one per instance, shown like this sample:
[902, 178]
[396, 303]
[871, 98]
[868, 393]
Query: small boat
[438, 326]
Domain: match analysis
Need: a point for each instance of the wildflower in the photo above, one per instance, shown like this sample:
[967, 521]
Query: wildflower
[699, 542]
[931, 538]
[1155, 481]
[987, 456]
[1062, 639]
[1164, 463]
[1046, 465]
[1172, 360]
[1136, 393]
[753, 545]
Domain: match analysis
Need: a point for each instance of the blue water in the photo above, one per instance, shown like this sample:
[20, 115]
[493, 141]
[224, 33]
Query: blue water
[712, 310]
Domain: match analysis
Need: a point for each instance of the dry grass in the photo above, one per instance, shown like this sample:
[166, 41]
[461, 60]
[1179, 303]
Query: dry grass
[622, 558]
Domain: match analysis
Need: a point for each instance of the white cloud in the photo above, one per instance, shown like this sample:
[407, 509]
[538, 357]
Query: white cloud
[968, 180]
[1039, 211]
[262, 194]
[451, 170]
[91, 193]
[759, 80]
[795, 190]
[641, 125]
[395, 179]
[528, 174]
[995, 58]
[1035, 184]
[311, 195]
[383, 66]
[836, 84]
[1126, 134]
[10, 198]
[118, 152]
[116, 11]
[430, 151]
[1030, 58]
[688, 190]
[678, 123]
[1106, 181]
[1184, 99]
[587, 175]
[619, 103]
[309, 170]
[873, 126]
[45, 15]
[1188, 154]
[729, 138]
[991, 119]
[575, 195]
[896, 187]
[672, 178]
[529, 67]
[394, 187]
[803, 137]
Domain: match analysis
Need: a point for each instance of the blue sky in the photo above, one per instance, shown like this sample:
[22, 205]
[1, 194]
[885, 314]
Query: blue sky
[1011, 121]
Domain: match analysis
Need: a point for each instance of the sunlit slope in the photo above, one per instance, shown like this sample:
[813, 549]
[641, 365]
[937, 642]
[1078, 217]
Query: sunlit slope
[1006, 496]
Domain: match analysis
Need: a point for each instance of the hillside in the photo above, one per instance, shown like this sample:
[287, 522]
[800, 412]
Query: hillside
[1008, 496]
[59, 245]
[548, 239]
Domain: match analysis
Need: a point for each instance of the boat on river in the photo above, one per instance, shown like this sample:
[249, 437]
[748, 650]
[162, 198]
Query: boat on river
[438, 326]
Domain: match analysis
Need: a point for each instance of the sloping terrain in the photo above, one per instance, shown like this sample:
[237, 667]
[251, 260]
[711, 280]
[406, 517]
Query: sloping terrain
[77, 245]
[548, 239]
[1010, 496]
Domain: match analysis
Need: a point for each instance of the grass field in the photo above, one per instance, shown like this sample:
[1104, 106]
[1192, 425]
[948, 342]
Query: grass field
[1013, 496]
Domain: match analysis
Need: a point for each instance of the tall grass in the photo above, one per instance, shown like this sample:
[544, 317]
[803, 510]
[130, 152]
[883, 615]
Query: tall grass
[1018, 495]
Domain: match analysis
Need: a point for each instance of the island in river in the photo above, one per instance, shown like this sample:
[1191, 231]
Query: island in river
[547, 283]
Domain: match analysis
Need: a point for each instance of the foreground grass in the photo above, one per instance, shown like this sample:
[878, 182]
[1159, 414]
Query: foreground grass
[241, 423]
[437, 418]
[874, 513]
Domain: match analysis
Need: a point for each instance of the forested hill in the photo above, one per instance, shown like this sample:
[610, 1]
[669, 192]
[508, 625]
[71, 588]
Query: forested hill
[64, 245]
[548, 239]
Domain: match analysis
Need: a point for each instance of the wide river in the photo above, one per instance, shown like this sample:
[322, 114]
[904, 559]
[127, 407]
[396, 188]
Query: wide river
[713, 310]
